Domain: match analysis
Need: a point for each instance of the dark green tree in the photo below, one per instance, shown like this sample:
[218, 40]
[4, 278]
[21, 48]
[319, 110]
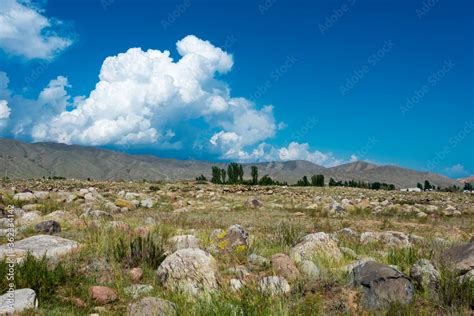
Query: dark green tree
[254, 173]
[427, 185]
[216, 175]
[223, 175]
[419, 186]
[332, 182]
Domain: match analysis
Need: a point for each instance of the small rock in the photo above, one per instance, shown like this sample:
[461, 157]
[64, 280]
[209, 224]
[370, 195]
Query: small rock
[252, 203]
[235, 284]
[284, 266]
[135, 274]
[41, 195]
[23, 299]
[97, 214]
[274, 285]
[102, 294]
[151, 306]
[309, 270]
[317, 244]
[136, 290]
[48, 227]
[235, 240]
[147, 203]
[183, 241]
[24, 197]
[30, 218]
[257, 262]
[424, 275]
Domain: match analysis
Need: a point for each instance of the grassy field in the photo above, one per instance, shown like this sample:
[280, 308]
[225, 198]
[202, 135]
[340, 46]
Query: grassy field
[139, 237]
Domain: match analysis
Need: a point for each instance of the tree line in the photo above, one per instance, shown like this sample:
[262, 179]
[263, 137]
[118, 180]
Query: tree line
[234, 174]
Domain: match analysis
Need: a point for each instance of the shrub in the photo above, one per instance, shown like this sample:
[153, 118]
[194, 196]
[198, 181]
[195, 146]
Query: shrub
[139, 250]
[35, 274]
[454, 293]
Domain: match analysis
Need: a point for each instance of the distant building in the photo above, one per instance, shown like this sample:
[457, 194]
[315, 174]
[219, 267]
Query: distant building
[411, 190]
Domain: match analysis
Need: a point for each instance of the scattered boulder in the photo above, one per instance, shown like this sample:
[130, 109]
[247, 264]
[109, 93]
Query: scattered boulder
[236, 240]
[274, 285]
[256, 262]
[191, 270]
[41, 195]
[97, 214]
[29, 218]
[151, 306]
[183, 241]
[317, 244]
[389, 238]
[102, 294]
[24, 197]
[48, 227]
[136, 290]
[425, 275]
[309, 270]
[58, 216]
[235, 284]
[18, 301]
[284, 266]
[39, 245]
[382, 285]
[252, 203]
[147, 203]
[459, 257]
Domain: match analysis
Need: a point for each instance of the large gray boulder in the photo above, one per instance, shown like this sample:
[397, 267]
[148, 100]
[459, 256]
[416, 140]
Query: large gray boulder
[317, 244]
[39, 245]
[382, 285]
[151, 306]
[190, 270]
[460, 258]
[18, 301]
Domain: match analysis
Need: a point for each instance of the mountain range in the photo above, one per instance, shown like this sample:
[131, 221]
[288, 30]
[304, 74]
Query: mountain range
[19, 160]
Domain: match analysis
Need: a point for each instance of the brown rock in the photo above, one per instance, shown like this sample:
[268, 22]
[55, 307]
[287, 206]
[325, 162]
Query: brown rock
[136, 274]
[102, 294]
[285, 266]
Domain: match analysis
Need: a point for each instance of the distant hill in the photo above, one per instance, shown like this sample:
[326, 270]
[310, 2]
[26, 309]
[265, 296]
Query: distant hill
[20, 160]
[469, 179]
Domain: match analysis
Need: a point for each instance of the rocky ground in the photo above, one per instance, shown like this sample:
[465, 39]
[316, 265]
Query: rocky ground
[138, 248]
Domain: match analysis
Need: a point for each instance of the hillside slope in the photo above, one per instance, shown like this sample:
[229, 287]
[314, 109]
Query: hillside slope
[20, 160]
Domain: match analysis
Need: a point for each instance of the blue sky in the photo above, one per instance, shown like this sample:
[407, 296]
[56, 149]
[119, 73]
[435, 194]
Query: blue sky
[326, 81]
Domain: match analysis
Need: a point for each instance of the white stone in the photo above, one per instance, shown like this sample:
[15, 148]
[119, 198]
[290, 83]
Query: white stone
[18, 301]
[39, 245]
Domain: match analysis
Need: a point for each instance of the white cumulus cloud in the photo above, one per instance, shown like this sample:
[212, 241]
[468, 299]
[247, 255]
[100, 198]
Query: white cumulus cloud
[143, 94]
[24, 31]
[294, 151]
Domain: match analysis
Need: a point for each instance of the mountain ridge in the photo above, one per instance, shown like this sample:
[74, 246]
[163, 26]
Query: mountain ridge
[22, 160]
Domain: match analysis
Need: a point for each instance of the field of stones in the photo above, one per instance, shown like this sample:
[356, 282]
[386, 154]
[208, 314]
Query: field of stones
[71, 247]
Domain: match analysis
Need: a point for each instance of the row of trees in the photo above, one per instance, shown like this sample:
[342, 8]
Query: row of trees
[234, 174]
[317, 180]
[362, 184]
